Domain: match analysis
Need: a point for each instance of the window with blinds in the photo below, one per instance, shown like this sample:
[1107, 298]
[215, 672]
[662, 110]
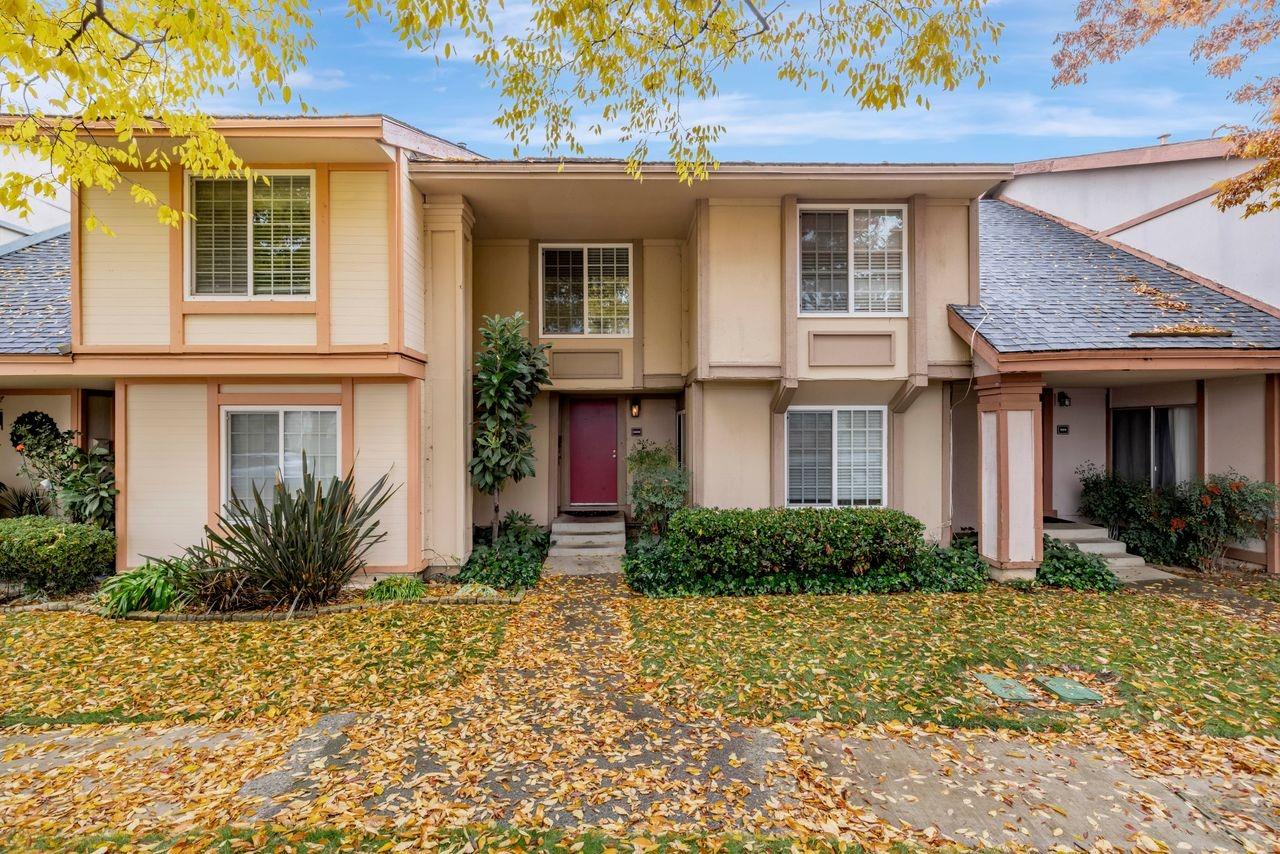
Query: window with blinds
[586, 290]
[853, 260]
[836, 456]
[263, 445]
[251, 240]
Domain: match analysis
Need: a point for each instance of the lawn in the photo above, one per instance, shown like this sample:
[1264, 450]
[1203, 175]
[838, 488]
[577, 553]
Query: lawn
[911, 657]
[70, 668]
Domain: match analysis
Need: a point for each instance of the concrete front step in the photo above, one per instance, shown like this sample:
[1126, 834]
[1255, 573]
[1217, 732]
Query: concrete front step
[1071, 532]
[578, 541]
[1106, 548]
[587, 551]
[1115, 561]
[612, 526]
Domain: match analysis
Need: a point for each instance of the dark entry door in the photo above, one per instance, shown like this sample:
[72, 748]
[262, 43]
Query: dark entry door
[593, 452]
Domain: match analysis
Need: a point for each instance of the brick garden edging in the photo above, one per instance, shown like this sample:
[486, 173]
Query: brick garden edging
[261, 616]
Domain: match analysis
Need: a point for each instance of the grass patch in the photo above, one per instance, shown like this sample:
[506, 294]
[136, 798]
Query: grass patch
[907, 657]
[74, 668]
[471, 840]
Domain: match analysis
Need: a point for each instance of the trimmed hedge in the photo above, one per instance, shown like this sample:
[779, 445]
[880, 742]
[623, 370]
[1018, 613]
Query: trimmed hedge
[52, 556]
[707, 551]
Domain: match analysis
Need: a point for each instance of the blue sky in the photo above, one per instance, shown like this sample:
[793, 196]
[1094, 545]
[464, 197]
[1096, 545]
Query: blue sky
[1018, 115]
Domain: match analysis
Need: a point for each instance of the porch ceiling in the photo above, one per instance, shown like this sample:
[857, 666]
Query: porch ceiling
[599, 201]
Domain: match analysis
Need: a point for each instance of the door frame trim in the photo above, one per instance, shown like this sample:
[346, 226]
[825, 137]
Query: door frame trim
[564, 457]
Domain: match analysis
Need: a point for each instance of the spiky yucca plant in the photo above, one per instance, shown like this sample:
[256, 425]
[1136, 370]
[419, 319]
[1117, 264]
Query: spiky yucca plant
[303, 548]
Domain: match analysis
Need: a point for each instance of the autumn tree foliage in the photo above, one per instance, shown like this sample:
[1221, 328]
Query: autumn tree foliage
[89, 80]
[1231, 34]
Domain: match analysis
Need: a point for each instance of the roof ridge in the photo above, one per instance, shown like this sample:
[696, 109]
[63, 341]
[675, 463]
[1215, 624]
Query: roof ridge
[33, 239]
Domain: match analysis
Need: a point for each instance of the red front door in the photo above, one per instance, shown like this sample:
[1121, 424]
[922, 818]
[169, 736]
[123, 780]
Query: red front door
[593, 452]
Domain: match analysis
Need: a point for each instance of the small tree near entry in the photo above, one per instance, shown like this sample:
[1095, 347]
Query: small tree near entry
[510, 370]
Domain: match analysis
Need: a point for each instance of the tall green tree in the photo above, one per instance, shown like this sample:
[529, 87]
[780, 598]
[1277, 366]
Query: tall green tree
[510, 370]
[88, 82]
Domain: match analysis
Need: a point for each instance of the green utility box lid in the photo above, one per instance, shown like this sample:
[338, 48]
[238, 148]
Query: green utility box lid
[1069, 689]
[1006, 689]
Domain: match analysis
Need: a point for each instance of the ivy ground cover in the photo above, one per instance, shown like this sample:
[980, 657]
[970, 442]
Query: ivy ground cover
[911, 658]
[73, 668]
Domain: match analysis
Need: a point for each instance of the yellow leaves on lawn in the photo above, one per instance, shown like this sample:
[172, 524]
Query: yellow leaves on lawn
[910, 657]
[70, 666]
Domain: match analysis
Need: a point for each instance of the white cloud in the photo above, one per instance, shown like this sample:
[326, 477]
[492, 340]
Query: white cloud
[320, 80]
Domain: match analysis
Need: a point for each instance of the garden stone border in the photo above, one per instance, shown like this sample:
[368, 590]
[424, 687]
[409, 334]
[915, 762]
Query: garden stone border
[261, 616]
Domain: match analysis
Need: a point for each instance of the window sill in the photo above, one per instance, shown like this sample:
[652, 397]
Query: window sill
[853, 314]
[588, 335]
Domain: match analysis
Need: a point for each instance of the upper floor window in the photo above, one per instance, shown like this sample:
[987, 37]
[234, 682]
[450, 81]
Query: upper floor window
[836, 456]
[251, 239]
[852, 260]
[586, 290]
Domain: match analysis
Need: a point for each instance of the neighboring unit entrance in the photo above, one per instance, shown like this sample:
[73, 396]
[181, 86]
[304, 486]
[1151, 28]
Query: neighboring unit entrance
[593, 451]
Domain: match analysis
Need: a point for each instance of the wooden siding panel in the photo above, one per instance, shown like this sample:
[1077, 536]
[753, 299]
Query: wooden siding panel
[168, 461]
[413, 278]
[210, 330]
[382, 445]
[124, 279]
[358, 250]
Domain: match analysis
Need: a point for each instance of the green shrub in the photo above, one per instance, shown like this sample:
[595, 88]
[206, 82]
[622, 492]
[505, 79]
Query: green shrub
[397, 588]
[504, 566]
[1064, 565]
[52, 556]
[159, 585]
[1190, 524]
[300, 551]
[779, 550]
[87, 491]
[958, 569]
[519, 531]
[18, 501]
[659, 486]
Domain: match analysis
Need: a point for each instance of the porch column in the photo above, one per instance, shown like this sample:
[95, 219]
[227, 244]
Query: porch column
[1271, 461]
[447, 401]
[1010, 497]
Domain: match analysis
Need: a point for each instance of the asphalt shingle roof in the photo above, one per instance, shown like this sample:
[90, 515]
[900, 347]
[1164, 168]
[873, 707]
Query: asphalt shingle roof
[1047, 287]
[35, 293]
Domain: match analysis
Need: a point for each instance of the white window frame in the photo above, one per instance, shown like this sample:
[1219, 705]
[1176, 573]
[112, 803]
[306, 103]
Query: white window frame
[225, 435]
[631, 291]
[848, 208]
[884, 453]
[188, 270]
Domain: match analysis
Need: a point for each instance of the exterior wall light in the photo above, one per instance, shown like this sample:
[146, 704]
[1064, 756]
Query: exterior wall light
[1064, 399]
[635, 407]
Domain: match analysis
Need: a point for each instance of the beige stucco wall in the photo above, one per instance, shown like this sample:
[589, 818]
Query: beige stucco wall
[1234, 425]
[736, 445]
[1086, 441]
[167, 468]
[124, 278]
[412, 274]
[358, 253]
[922, 460]
[382, 445]
[530, 495]
[663, 312]
[689, 260]
[56, 406]
[501, 280]
[1181, 393]
[964, 457]
[745, 289]
[946, 261]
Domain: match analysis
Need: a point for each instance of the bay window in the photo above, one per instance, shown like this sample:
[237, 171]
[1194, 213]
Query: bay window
[251, 239]
[263, 445]
[853, 260]
[586, 289]
[836, 456]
